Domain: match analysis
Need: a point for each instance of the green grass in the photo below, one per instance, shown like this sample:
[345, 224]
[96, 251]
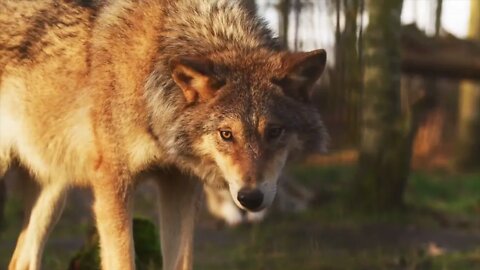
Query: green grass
[334, 236]
[330, 235]
[458, 260]
[448, 193]
[428, 195]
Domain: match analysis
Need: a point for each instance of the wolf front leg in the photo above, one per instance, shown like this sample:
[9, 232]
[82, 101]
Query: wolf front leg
[112, 199]
[178, 197]
[43, 206]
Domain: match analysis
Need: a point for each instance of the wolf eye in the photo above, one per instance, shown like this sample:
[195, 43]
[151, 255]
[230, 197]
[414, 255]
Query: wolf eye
[226, 135]
[274, 132]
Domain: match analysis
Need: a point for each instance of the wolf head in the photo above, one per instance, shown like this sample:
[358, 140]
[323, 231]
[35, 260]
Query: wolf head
[244, 115]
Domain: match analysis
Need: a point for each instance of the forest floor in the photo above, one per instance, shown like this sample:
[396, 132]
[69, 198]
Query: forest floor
[438, 229]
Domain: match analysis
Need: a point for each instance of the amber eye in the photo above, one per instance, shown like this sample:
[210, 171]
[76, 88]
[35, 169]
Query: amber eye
[226, 135]
[274, 132]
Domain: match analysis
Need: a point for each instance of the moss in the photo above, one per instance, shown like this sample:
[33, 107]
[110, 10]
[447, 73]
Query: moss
[147, 245]
[147, 248]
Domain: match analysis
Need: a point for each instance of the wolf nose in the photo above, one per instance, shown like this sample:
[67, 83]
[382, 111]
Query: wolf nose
[250, 198]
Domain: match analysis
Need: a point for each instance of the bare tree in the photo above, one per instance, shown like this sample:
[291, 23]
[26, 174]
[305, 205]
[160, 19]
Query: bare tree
[2, 200]
[251, 5]
[468, 154]
[347, 78]
[284, 11]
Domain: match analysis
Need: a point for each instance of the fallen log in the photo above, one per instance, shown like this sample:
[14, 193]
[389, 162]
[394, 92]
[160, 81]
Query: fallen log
[444, 56]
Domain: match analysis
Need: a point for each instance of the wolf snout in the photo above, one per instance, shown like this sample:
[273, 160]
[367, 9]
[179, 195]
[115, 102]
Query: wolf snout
[251, 199]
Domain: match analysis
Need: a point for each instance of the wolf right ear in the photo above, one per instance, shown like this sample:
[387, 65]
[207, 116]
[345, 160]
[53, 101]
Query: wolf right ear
[195, 76]
[301, 71]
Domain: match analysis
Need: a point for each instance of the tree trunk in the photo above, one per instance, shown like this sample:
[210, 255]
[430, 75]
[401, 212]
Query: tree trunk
[347, 81]
[250, 5]
[385, 146]
[284, 11]
[429, 135]
[2, 201]
[438, 17]
[468, 154]
[353, 80]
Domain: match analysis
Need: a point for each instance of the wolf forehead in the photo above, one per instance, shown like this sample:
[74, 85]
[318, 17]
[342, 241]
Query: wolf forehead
[246, 71]
[249, 62]
[244, 82]
[248, 93]
[253, 104]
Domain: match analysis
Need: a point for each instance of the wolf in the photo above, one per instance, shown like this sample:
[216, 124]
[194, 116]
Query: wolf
[101, 93]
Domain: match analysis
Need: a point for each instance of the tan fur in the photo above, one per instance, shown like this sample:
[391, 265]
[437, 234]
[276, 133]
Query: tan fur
[91, 95]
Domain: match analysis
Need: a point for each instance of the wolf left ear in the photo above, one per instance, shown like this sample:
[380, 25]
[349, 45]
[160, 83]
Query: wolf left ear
[195, 76]
[301, 71]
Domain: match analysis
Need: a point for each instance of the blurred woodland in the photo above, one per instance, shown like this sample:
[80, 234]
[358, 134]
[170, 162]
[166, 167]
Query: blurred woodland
[400, 186]
[393, 95]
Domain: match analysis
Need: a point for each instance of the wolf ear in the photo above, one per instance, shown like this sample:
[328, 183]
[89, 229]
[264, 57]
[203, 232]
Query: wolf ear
[194, 75]
[301, 71]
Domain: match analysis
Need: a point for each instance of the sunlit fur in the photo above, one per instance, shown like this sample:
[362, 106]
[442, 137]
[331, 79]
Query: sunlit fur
[88, 97]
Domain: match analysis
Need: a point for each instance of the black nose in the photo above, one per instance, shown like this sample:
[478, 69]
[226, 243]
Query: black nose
[250, 198]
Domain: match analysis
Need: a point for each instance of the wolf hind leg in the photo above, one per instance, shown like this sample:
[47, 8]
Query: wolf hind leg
[178, 198]
[43, 207]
